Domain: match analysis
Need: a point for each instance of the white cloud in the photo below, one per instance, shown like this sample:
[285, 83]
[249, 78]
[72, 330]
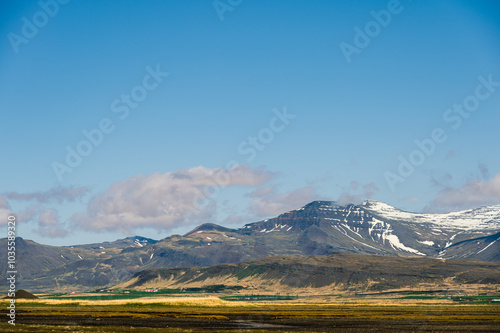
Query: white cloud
[49, 224]
[165, 200]
[273, 203]
[4, 204]
[59, 194]
[29, 213]
[474, 193]
[52, 232]
[5, 211]
[48, 217]
[356, 193]
[26, 215]
[48, 220]
[262, 191]
[410, 199]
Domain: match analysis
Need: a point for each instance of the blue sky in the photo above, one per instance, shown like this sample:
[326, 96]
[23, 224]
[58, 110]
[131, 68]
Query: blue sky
[234, 111]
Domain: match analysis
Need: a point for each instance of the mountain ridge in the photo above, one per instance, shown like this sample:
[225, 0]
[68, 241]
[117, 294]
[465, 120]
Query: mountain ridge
[326, 273]
[317, 228]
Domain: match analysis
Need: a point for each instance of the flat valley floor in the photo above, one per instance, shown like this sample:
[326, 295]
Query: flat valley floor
[200, 314]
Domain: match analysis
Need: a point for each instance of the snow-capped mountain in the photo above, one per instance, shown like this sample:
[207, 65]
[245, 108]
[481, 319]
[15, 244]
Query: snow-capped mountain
[376, 227]
[484, 218]
[318, 228]
[467, 234]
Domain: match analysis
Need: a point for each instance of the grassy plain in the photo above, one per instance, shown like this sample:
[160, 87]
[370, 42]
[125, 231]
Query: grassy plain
[197, 313]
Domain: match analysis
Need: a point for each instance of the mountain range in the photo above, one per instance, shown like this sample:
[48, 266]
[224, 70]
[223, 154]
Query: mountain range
[318, 228]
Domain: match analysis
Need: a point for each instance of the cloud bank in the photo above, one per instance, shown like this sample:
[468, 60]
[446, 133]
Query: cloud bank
[356, 193]
[165, 200]
[268, 202]
[474, 193]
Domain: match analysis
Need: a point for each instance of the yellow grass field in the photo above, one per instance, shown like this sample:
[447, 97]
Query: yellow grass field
[207, 312]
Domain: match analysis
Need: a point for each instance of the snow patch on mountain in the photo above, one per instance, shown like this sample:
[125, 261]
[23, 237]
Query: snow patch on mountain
[484, 218]
[338, 227]
[430, 243]
[489, 245]
[395, 243]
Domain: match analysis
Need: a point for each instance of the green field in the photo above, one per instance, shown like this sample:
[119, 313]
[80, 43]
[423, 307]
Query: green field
[259, 298]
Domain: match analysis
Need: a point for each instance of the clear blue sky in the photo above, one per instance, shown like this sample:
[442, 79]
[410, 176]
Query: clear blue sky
[353, 106]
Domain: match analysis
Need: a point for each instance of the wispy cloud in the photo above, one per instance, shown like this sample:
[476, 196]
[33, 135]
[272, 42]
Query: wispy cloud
[5, 210]
[268, 202]
[356, 193]
[29, 213]
[440, 179]
[49, 224]
[410, 199]
[24, 215]
[165, 200]
[58, 194]
[48, 217]
[450, 154]
[46, 221]
[475, 192]
[52, 232]
[485, 173]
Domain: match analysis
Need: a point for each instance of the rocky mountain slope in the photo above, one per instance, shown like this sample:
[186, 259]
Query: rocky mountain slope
[318, 228]
[339, 273]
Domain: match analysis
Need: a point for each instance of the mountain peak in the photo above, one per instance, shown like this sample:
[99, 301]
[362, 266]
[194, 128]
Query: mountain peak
[139, 238]
[377, 205]
[319, 227]
[320, 203]
[209, 227]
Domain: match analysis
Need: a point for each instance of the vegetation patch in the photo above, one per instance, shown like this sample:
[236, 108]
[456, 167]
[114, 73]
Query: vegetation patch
[216, 288]
[259, 298]
[420, 297]
[250, 271]
[494, 299]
